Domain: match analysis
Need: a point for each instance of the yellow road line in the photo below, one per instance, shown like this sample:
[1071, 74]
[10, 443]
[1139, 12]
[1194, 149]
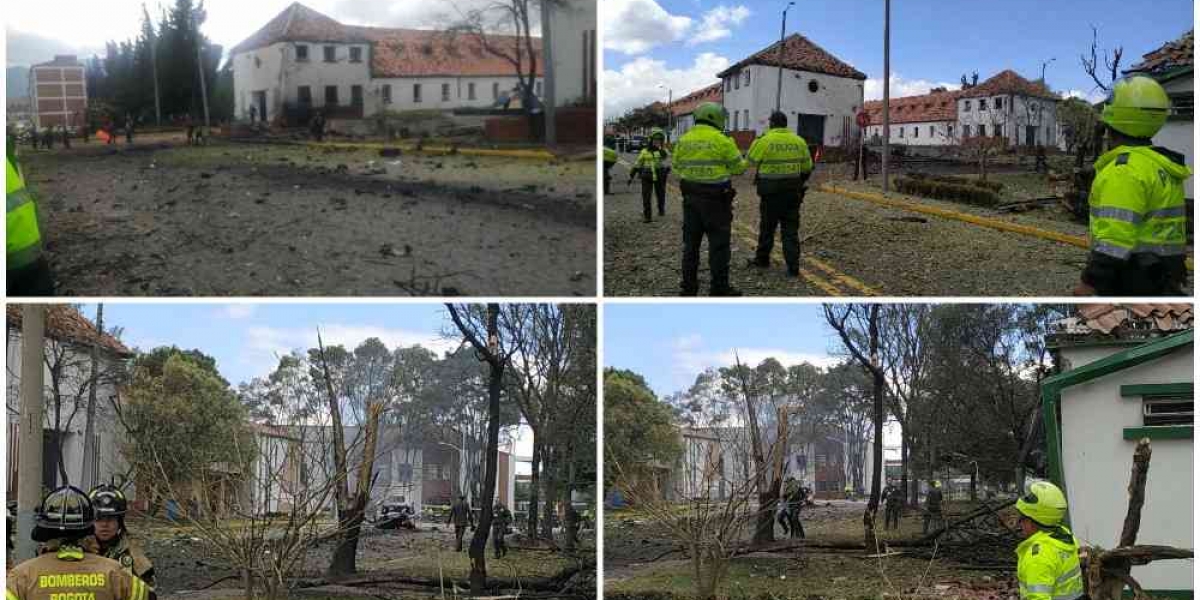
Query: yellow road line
[841, 277]
[821, 283]
[826, 286]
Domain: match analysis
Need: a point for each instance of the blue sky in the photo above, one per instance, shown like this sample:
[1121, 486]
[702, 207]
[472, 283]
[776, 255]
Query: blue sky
[683, 43]
[246, 339]
[669, 344]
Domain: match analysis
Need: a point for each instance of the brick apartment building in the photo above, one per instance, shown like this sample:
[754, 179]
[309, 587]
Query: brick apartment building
[58, 92]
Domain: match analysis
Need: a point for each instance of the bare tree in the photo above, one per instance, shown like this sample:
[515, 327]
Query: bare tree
[1111, 69]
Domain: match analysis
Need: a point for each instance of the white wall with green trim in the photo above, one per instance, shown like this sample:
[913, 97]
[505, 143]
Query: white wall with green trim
[1097, 459]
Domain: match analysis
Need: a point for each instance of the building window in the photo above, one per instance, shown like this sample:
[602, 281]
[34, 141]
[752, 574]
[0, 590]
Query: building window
[445, 92]
[735, 119]
[813, 86]
[495, 91]
[983, 130]
[916, 132]
[983, 104]
[538, 88]
[416, 92]
[304, 95]
[737, 82]
[950, 130]
[967, 106]
[404, 473]
[302, 53]
[356, 95]
[746, 76]
[998, 130]
[931, 132]
[1166, 410]
[728, 84]
[331, 98]
[257, 62]
[355, 54]
[1000, 102]
[470, 91]
[387, 93]
[330, 53]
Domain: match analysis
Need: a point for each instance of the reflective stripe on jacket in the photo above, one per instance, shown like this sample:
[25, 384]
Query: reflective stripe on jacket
[1137, 204]
[1048, 567]
[705, 155]
[780, 154]
[653, 162]
[24, 242]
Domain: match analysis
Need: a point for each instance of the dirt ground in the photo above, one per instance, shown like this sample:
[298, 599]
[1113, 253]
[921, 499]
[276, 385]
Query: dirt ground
[640, 562]
[850, 247]
[185, 569]
[161, 218]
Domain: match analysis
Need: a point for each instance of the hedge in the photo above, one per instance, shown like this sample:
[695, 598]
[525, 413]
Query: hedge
[959, 192]
[994, 186]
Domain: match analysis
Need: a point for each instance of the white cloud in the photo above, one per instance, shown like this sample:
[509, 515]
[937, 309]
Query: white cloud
[264, 345]
[636, 26]
[1092, 97]
[237, 311]
[718, 23]
[636, 83]
[901, 87]
[690, 357]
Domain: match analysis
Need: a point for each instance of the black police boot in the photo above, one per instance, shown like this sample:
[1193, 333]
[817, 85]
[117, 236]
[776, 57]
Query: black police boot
[758, 264]
[728, 292]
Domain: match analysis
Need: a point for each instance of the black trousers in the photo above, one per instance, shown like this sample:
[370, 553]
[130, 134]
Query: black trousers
[1139, 275]
[459, 532]
[32, 280]
[707, 212]
[796, 526]
[891, 517]
[498, 543]
[658, 188]
[782, 211]
[608, 177]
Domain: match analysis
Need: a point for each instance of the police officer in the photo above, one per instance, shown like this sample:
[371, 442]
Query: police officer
[27, 273]
[653, 164]
[500, 521]
[1138, 225]
[462, 518]
[110, 507]
[783, 167]
[68, 566]
[1048, 558]
[610, 160]
[705, 158]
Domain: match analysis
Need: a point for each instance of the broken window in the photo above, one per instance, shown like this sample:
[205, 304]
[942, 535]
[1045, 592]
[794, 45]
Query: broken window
[330, 53]
[901, 133]
[304, 95]
[983, 104]
[445, 92]
[916, 132]
[999, 102]
[931, 131]
[331, 96]
[470, 91]
[998, 130]
[967, 106]
[1166, 410]
[982, 130]
[416, 92]
[1183, 105]
[387, 93]
[356, 95]
[355, 54]
[302, 53]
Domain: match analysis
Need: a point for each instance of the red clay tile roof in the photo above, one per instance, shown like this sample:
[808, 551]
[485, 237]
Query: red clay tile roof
[800, 54]
[688, 103]
[1008, 82]
[1130, 320]
[936, 106]
[1176, 53]
[394, 52]
[65, 324]
[424, 53]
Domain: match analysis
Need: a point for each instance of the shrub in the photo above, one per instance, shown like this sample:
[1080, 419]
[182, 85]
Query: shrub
[958, 192]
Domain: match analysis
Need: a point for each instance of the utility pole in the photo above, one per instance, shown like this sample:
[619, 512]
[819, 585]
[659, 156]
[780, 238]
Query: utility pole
[887, 76]
[1044, 63]
[196, 20]
[29, 465]
[548, 59]
[89, 431]
[779, 80]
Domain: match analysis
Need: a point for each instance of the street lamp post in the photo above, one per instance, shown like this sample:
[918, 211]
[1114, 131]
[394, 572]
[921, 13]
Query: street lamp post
[1044, 63]
[887, 75]
[670, 111]
[779, 80]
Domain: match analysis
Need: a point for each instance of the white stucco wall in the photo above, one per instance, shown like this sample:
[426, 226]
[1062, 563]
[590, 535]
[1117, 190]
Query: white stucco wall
[836, 98]
[929, 133]
[431, 92]
[1096, 461]
[572, 27]
[278, 73]
[1017, 113]
[1177, 134]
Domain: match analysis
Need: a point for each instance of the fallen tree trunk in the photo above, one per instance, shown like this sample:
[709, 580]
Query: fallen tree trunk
[539, 584]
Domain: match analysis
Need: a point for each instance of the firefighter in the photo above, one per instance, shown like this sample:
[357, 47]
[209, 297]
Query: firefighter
[783, 165]
[500, 521]
[1048, 558]
[28, 273]
[1138, 224]
[653, 164]
[462, 518]
[933, 507]
[705, 159]
[115, 542]
[610, 160]
[68, 566]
